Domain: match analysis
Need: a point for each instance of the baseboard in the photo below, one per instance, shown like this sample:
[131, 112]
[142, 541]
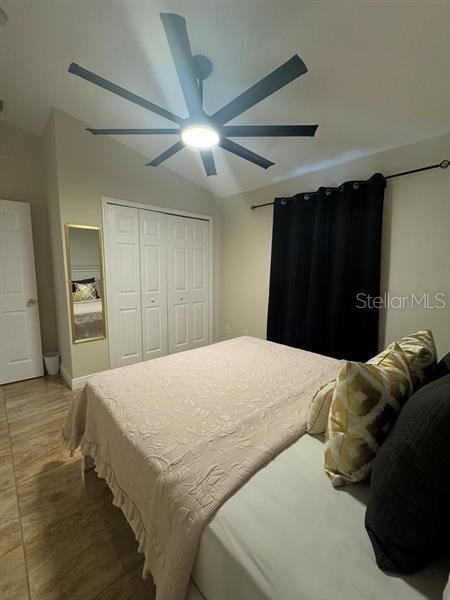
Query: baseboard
[78, 382]
[75, 383]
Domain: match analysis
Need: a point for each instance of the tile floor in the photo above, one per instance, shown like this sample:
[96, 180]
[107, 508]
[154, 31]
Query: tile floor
[60, 535]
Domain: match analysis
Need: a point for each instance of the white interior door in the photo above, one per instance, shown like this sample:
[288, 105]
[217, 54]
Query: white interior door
[123, 284]
[152, 227]
[20, 334]
[188, 279]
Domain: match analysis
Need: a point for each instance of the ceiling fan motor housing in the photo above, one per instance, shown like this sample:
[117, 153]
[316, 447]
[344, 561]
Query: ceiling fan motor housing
[203, 66]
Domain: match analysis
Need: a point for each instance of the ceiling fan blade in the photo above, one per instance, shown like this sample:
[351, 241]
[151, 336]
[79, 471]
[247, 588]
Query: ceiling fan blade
[208, 162]
[288, 71]
[122, 92]
[166, 154]
[269, 130]
[245, 153]
[177, 36]
[133, 131]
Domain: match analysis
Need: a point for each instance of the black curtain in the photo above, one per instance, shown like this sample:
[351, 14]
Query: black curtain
[326, 249]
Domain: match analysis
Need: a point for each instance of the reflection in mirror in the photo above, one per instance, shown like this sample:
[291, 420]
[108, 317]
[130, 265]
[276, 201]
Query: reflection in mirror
[85, 281]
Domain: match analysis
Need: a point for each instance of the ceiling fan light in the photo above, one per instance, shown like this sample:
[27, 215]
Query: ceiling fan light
[200, 136]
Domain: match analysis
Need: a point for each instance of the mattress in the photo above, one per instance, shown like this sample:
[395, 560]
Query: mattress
[287, 534]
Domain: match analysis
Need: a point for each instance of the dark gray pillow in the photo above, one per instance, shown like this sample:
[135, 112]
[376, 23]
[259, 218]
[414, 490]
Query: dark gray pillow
[408, 514]
[442, 368]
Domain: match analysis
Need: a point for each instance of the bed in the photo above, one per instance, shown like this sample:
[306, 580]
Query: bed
[88, 319]
[206, 455]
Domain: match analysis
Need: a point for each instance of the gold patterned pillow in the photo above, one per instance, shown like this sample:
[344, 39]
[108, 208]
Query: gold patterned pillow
[84, 291]
[366, 401]
[380, 357]
[420, 352]
[319, 408]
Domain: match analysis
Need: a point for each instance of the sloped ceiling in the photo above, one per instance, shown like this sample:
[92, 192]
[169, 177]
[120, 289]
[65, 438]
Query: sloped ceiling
[378, 74]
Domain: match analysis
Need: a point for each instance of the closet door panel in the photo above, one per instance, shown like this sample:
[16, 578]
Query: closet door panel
[152, 227]
[199, 324]
[151, 258]
[130, 325]
[199, 277]
[123, 285]
[199, 282]
[180, 264]
[152, 322]
[188, 282]
[181, 327]
[127, 279]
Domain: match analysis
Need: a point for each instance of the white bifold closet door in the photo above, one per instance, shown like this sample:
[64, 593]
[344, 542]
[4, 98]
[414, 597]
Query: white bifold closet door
[188, 282]
[153, 283]
[158, 283]
[124, 286]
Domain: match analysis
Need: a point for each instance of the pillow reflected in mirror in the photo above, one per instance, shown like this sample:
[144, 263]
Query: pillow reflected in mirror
[84, 291]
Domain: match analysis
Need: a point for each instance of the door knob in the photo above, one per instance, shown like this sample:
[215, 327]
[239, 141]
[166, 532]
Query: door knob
[181, 298]
[152, 299]
[31, 301]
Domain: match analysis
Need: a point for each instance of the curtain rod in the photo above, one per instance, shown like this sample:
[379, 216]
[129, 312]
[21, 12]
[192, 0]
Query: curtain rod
[442, 165]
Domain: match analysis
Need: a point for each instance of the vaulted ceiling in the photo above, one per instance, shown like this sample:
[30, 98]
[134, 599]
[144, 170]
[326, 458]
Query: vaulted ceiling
[378, 74]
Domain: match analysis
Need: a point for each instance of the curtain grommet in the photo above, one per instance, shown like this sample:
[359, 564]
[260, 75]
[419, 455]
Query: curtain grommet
[355, 185]
[306, 196]
[283, 202]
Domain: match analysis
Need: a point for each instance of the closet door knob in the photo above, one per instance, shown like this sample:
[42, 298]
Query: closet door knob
[181, 298]
[152, 299]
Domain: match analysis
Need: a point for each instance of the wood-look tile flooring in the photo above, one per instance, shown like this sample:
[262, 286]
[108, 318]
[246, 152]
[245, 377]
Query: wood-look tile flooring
[60, 535]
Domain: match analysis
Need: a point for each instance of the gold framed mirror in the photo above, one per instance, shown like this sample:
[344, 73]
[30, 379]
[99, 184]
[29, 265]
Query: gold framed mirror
[85, 282]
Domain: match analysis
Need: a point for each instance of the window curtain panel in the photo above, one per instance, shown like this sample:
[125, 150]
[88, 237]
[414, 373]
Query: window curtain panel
[326, 252]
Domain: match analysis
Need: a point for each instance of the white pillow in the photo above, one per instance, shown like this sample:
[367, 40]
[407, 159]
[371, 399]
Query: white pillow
[319, 409]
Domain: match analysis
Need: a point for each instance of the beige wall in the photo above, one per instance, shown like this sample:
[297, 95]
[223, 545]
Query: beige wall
[416, 241]
[90, 167]
[57, 248]
[22, 178]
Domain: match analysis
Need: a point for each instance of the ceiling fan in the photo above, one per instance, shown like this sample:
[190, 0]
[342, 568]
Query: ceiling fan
[200, 130]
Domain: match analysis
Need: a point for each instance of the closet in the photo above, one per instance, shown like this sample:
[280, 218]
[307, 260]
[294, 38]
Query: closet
[158, 282]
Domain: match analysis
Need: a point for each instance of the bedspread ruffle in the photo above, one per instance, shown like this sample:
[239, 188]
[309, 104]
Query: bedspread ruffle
[120, 498]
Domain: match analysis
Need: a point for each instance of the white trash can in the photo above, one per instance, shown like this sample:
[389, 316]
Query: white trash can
[51, 362]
